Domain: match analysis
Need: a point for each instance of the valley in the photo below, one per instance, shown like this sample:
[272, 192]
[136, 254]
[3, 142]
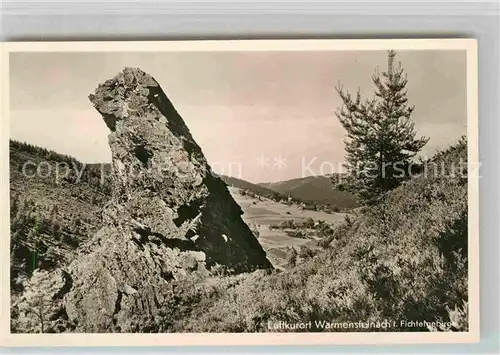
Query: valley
[262, 213]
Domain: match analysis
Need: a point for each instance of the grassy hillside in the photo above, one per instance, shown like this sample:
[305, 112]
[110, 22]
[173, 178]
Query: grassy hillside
[404, 261]
[52, 211]
[318, 189]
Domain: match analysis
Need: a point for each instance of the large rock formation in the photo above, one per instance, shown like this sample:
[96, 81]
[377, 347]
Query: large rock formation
[169, 217]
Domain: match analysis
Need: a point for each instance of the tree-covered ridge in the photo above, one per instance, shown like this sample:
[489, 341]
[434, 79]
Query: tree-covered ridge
[41, 152]
[49, 218]
[38, 163]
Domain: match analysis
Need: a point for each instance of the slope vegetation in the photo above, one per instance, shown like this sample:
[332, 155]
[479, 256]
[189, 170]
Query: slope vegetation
[55, 205]
[404, 261]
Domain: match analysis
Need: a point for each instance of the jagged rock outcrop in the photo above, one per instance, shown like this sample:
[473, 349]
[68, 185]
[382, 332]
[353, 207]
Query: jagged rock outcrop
[169, 217]
[40, 308]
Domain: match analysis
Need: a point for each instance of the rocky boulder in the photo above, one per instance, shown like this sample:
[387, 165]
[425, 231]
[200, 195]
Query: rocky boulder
[40, 308]
[170, 217]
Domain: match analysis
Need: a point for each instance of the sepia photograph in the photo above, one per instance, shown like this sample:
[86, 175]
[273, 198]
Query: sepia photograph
[273, 188]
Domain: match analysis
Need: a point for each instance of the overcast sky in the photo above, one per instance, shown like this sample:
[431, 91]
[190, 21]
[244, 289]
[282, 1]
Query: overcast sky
[262, 115]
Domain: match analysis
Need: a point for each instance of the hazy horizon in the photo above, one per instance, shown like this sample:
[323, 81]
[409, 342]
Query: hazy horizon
[264, 114]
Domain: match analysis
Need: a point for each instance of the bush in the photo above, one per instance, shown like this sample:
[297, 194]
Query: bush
[291, 257]
[311, 207]
[308, 223]
[324, 230]
[286, 224]
[306, 252]
[289, 223]
[296, 234]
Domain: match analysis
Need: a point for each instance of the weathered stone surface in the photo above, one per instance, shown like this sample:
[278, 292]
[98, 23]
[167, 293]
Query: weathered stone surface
[40, 308]
[169, 218]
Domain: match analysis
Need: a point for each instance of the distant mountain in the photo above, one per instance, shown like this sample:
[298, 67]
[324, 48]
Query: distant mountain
[256, 189]
[316, 189]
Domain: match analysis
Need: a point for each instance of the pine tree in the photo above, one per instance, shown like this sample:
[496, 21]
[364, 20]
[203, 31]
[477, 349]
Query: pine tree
[381, 138]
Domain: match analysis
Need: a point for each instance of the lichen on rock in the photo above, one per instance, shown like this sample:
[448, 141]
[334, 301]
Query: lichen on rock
[170, 217]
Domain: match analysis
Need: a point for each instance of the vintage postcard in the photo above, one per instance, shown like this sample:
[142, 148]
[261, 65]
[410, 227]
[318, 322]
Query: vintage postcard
[239, 192]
